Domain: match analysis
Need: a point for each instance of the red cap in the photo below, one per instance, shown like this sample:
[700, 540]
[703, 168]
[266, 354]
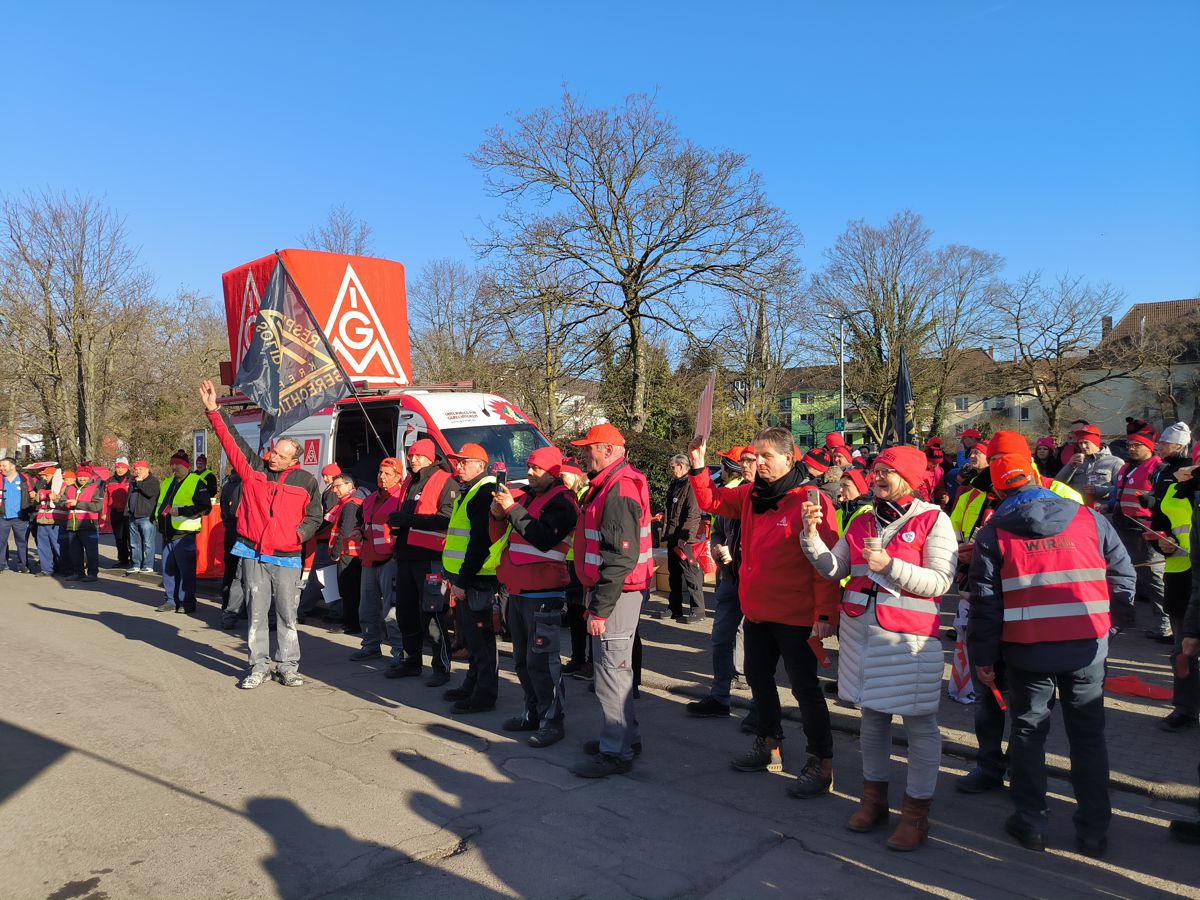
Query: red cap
[548, 459]
[1146, 438]
[971, 433]
[141, 464]
[1089, 433]
[735, 454]
[1010, 461]
[570, 467]
[332, 469]
[424, 447]
[858, 477]
[471, 451]
[908, 462]
[604, 433]
[68, 473]
[390, 462]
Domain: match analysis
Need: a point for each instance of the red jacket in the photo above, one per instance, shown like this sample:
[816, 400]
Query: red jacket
[279, 510]
[776, 582]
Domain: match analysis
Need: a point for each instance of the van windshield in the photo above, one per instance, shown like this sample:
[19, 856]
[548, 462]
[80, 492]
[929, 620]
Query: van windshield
[510, 444]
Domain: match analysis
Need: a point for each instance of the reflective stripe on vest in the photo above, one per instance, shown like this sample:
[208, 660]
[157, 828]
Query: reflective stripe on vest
[376, 530]
[895, 610]
[1179, 513]
[1055, 587]
[48, 513]
[427, 505]
[1133, 481]
[1063, 490]
[630, 483]
[458, 535]
[523, 553]
[183, 497]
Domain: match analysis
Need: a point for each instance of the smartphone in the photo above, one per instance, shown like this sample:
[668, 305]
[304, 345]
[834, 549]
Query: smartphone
[500, 471]
[814, 496]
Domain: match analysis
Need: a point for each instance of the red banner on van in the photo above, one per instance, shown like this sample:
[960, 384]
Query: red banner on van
[359, 302]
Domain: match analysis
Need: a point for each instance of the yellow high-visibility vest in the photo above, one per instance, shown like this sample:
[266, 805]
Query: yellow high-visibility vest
[458, 535]
[183, 497]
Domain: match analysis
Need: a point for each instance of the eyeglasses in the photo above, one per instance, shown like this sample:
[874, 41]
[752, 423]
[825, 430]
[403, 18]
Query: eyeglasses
[882, 472]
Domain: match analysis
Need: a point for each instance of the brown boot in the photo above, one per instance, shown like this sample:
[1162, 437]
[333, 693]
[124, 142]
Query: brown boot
[913, 827]
[873, 810]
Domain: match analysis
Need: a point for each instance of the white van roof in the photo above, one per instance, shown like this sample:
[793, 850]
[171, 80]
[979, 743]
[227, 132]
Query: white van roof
[460, 408]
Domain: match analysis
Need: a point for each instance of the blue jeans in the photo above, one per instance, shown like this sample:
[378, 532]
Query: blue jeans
[85, 552]
[143, 538]
[179, 570]
[726, 619]
[20, 532]
[1031, 699]
[49, 547]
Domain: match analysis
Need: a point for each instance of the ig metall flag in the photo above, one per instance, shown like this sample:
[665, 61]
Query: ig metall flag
[901, 423]
[289, 369]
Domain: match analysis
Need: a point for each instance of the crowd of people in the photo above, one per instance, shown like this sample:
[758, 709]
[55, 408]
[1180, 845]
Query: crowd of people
[1048, 548]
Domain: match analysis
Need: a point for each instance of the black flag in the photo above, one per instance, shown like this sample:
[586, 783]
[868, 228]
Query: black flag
[289, 369]
[901, 423]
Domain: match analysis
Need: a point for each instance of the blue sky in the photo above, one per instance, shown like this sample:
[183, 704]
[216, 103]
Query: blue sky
[1064, 136]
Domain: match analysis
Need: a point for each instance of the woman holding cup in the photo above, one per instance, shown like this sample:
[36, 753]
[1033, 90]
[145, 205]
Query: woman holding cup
[900, 561]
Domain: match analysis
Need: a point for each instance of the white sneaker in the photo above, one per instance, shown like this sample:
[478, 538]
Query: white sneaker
[149, 570]
[132, 570]
[253, 680]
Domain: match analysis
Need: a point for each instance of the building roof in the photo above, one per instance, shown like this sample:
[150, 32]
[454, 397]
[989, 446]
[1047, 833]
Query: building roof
[1147, 316]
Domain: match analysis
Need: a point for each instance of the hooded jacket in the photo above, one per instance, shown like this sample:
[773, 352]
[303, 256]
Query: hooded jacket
[1098, 470]
[1034, 512]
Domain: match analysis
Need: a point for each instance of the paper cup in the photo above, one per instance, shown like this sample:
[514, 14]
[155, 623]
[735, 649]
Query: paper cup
[872, 543]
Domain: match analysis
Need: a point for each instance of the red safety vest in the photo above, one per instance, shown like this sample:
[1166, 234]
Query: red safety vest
[334, 516]
[1133, 481]
[76, 515]
[896, 610]
[1054, 588]
[630, 483]
[378, 535]
[48, 513]
[522, 553]
[427, 505]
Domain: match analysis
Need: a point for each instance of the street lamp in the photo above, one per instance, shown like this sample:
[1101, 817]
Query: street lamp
[841, 320]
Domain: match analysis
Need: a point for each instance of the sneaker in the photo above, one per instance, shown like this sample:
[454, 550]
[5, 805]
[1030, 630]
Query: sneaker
[816, 778]
[592, 748]
[601, 766]
[402, 671]
[765, 756]
[693, 619]
[523, 722]
[708, 708]
[149, 570]
[228, 624]
[976, 782]
[455, 694]
[437, 679]
[291, 678]
[253, 680]
[469, 705]
[586, 672]
[1186, 831]
[1177, 721]
[365, 653]
[132, 570]
[166, 607]
[546, 737]
[90, 578]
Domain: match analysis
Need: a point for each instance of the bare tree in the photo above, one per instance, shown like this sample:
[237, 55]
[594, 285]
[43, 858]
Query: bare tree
[456, 328]
[1052, 333]
[341, 232]
[637, 217]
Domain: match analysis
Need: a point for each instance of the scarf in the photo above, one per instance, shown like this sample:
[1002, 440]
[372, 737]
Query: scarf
[766, 495]
[888, 511]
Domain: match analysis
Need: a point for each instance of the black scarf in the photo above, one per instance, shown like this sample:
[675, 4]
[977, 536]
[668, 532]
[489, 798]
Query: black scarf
[888, 511]
[766, 495]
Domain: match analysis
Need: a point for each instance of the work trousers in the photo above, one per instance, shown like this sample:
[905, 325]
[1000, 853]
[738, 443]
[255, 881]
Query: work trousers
[535, 626]
[377, 608]
[84, 553]
[612, 652]
[1031, 700]
[989, 724]
[269, 587]
[349, 576]
[924, 750]
[1149, 566]
[727, 651]
[143, 538]
[479, 637]
[49, 548]
[120, 533]
[766, 643]
[20, 534]
[581, 645]
[683, 575]
[179, 570]
[415, 625]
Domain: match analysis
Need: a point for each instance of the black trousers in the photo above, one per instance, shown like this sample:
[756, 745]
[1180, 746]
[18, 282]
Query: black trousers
[766, 643]
[412, 622]
[349, 576]
[120, 533]
[684, 575]
[479, 636]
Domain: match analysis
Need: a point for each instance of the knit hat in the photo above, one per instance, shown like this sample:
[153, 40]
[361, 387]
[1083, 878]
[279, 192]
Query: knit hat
[1132, 425]
[84, 471]
[908, 462]
[1011, 463]
[1179, 433]
[141, 464]
[1147, 438]
[818, 459]
[180, 456]
[1047, 441]
[971, 433]
[333, 470]
[122, 461]
[735, 454]
[857, 477]
[570, 467]
[835, 439]
[548, 459]
[424, 447]
[935, 453]
[981, 447]
[1091, 434]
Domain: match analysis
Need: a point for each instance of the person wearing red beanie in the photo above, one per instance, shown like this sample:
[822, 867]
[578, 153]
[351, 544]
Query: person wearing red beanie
[1131, 513]
[1092, 469]
[1048, 579]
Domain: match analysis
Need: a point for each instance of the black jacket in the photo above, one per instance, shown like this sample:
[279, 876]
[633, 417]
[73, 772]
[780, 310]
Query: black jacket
[480, 542]
[554, 522]
[231, 496]
[1036, 512]
[681, 521]
[209, 477]
[143, 495]
[406, 517]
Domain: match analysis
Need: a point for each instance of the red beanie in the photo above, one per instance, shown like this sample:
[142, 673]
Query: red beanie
[1146, 438]
[835, 439]
[181, 456]
[909, 463]
[1046, 441]
[971, 433]
[818, 459]
[332, 469]
[857, 477]
[1091, 434]
[1011, 463]
[424, 447]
